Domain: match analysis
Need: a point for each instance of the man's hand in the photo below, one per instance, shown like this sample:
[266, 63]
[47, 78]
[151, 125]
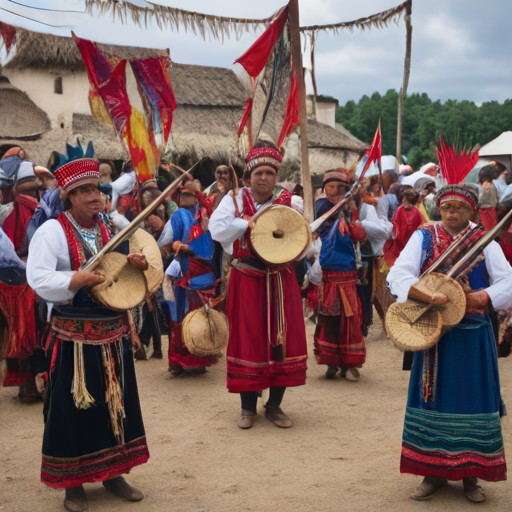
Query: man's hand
[439, 299]
[138, 260]
[88, 279]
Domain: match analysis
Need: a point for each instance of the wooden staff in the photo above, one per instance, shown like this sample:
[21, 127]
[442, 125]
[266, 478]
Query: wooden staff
[405, 83]
[128, 231]
[293, 14]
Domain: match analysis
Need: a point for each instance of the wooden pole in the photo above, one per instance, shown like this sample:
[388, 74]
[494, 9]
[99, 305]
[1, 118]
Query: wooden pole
[293, 13]
[405, 83]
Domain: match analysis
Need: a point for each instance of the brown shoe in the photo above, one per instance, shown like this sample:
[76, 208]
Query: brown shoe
[120, 487]
[473, 491]
[140, 354]
[428, 487]
[277, 416]
[246, 419]
[75, 500]
[157, 354]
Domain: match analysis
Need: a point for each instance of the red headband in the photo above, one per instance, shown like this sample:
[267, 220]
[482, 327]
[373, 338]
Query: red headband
[263, 156]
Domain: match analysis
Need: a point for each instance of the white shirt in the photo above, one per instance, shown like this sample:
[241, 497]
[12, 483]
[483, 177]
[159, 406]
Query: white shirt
[122, 186]
[407, 268]
[48, 266]
[224, 226]
[378, 229]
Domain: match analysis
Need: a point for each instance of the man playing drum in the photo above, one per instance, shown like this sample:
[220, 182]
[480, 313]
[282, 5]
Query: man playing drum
[267, 338]
[452, 425]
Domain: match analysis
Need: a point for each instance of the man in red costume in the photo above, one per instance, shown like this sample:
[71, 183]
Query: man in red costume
[18, 343]
[267, 338]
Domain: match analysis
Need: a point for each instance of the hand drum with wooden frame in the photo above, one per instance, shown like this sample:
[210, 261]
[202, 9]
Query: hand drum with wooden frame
[280, 235]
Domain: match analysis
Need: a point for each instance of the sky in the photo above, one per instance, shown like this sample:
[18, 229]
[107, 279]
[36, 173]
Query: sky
[461, 48]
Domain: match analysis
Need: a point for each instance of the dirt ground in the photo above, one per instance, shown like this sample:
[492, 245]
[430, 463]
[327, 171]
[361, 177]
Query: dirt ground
[342, 453]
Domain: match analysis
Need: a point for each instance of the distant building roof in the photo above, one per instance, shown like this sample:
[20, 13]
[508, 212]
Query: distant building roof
[501, 145]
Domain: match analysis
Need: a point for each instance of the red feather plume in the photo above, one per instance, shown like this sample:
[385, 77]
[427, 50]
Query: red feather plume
[455, 165]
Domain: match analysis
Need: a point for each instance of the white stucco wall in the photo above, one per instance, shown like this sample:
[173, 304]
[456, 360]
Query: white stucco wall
[326, 113]
[39, 86]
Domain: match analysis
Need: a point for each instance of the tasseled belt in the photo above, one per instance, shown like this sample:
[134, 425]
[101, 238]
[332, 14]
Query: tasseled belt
[107, 333]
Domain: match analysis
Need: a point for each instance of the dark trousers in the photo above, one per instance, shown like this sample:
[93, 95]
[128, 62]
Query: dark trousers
[150, 327]
[250, 398]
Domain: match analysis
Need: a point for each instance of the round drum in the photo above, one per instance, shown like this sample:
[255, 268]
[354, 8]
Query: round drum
[142, 242]
[280, 235]
[124, 287]
[454, 310]
[205, 332]
[417, 336]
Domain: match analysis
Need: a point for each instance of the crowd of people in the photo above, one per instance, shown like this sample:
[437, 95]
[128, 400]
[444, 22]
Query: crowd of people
[61, 346]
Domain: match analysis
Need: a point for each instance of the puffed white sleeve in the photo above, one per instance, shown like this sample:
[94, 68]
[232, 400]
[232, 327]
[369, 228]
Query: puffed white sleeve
[224, 226]
[43, 258]
[123, 185]
[377, 228]
[406, 270]
[500, 274]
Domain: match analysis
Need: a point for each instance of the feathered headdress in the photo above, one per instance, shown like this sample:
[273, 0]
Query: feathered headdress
[455, 166]
[73, 153]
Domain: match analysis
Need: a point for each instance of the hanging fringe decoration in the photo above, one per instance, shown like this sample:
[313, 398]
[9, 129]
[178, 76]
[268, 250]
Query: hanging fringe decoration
[220, 27]
[379, 20]
[81, 397]
[114, 393]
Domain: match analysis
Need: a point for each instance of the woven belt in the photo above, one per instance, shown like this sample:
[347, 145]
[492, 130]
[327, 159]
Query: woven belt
[96, 331]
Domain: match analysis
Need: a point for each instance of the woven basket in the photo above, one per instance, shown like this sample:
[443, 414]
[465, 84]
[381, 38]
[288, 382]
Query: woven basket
[124, 286]
[142, 242]
[280, 235]
[453, 311]
[421, 335]
[205, 332]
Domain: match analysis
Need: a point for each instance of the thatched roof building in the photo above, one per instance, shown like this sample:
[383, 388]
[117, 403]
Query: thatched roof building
[20, 117]
[210, 105]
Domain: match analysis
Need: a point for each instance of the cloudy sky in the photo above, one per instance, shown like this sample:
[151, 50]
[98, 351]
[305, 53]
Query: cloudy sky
[461, 48]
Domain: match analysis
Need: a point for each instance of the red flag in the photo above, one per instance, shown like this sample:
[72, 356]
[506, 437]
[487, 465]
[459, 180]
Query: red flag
[155, 88]
[374, 152]
[256, 57]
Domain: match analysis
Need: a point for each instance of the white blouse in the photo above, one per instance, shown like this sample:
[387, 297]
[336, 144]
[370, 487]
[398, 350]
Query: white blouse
[407, 268]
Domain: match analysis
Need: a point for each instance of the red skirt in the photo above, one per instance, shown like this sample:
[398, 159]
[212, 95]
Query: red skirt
[338, 337]
[179, 354]
[255, 362]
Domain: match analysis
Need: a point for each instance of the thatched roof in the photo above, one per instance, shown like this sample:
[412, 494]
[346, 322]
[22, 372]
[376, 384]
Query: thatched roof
[207, 86]
[20, 117]
[323, 136]
[106, 142]
[42, 51]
